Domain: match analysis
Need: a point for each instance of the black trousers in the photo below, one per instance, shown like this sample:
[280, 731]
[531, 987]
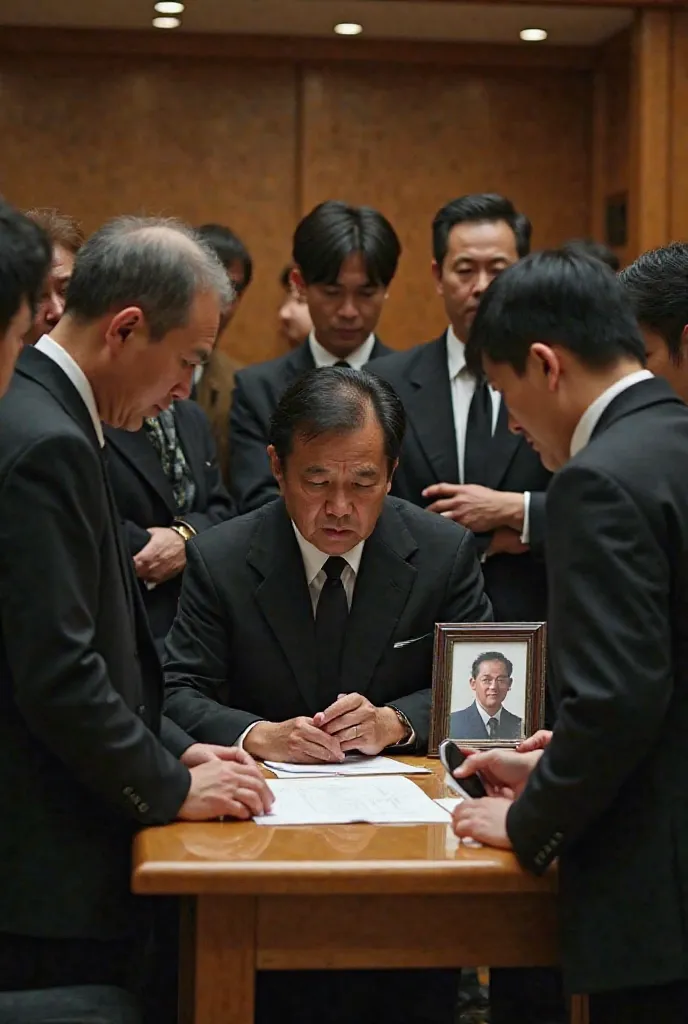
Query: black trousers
[527, 995]
[85, 1004]
[36, 963]
[660, 1004]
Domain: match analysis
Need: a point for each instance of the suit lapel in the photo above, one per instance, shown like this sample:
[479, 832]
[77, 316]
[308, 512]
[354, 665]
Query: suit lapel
[298, 362]
[193, 453]
[383, 585]
[137, 449]
[477, 722]
[284, 598]
[430, 411]
[502, 449]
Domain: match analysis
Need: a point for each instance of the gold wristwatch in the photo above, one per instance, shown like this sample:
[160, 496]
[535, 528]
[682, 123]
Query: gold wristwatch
[185, 531]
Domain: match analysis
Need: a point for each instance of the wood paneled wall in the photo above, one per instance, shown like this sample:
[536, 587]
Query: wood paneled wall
[256, 142]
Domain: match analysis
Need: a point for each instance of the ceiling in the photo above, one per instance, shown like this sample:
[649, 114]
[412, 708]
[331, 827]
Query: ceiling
[381, 19]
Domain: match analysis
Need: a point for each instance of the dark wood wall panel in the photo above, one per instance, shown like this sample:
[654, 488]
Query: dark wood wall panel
[406, 140]
[200, 140]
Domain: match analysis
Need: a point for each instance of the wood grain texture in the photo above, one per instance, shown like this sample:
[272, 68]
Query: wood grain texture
[197, 140]
[225, 961]
[408, 140]
[679, 132]
[651, 129]
[611, 150]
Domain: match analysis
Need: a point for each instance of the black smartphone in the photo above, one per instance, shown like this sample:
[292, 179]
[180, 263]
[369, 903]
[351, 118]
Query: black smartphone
[452, 758]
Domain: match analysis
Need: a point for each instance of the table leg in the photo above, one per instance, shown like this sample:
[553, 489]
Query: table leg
[224, 983]
[579, 1010]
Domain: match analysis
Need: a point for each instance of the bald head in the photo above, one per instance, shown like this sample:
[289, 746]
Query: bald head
[157, 266]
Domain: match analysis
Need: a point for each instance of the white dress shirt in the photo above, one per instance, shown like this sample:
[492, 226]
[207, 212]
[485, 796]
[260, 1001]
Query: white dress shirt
[591, 416]
[356, 359]
[462, 389]
[485, 715]
[78, 378]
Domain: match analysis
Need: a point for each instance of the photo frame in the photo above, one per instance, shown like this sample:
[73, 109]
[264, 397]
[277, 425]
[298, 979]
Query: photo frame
[504, 702]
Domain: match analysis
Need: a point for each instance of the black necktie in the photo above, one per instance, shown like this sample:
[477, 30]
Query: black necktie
[343, 362]
[478, 435]
[492, 725]
[331, 617]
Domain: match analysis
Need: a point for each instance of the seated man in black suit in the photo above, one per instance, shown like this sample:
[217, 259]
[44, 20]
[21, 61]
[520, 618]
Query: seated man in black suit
[605, 793]
[168, 488]
[294, 621]
[345, 258]
[459, 457]
[487, 718]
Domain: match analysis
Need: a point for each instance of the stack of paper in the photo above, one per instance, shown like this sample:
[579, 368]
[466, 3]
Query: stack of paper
[357, 764]
[341, 801]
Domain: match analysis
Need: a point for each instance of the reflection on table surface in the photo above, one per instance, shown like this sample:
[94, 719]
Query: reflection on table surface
[242, 857]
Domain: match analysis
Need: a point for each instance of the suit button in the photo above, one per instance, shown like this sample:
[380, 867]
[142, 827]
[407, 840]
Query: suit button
[141, 710]
[143, 807]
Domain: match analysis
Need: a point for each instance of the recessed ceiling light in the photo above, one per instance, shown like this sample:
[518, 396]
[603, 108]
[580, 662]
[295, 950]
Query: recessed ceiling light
[533, 35]
[166, 22]
[348, 28]
[169, 7]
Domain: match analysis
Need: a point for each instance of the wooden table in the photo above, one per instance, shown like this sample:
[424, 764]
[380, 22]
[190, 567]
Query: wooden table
[329, 897]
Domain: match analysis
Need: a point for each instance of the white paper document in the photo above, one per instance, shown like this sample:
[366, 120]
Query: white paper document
[357, 764]
[336, 801]
[450, 803]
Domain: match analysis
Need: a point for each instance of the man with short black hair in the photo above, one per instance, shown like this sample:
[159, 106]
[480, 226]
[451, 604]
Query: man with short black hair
[657, 287]
[558, 338]
[595, 250]
[82, 738]
[345, 259]
[305, 631]
[459, 458]
[487, 718]
[24, 262]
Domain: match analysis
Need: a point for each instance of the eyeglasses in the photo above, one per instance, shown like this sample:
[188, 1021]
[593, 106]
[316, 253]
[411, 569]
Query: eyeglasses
[500, 680]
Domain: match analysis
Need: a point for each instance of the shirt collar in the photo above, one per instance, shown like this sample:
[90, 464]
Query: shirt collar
[314, 559]
[456, 354]
[71, 369]
[484, 714]
[356, 359]
[591, 417]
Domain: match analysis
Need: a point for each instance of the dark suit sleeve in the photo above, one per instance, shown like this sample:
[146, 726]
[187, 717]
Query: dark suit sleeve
[251, 479]
[136, 536]
[52, 521]
[219, 505]
[465, 600]
[173, 737]
[611, 657]
[197, 656]
[537, 523]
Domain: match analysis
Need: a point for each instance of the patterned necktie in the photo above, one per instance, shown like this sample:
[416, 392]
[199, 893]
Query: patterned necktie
[162, 432]
[478, 435]
[331, 616]
[492, 725]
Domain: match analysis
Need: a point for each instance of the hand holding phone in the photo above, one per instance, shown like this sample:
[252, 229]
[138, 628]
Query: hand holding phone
[452, 757]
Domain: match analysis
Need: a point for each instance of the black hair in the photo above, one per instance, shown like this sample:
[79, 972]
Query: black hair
[596, 250]
[491, 656]
[475, 209]
[25, 259]
[336, 400]
[333, 231]
[657, 288]
[229, 249]
[560, 298]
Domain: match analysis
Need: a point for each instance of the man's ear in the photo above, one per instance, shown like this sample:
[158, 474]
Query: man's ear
[437, 275]
[684, 343]
[391, 475]
[121, 326]
[275, 465]
[296, 279]
[547, 361]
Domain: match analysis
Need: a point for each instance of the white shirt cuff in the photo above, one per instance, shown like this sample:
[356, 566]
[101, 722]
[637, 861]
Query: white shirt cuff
[240, 742]
[525, 536]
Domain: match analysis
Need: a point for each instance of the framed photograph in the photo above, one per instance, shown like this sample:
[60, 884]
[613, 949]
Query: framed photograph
[488, 683]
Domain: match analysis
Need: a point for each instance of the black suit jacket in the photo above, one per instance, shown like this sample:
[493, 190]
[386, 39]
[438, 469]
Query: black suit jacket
[516, 584]
[257, 392]
[80, 682]
[468, 725]
[144, 496]
[609, 794]
[243, 645]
